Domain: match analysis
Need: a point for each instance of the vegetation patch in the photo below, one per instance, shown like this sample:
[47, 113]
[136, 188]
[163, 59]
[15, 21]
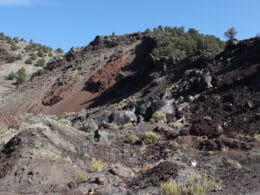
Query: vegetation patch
[98, 165]
[10, 59]
[133, 138]
[178, 43]
[257, 136]
[175, 125]
[82, 178]
[128, 125]
[20, 76]
[40, 62]
[158, 117]
[150, 137]
[28, 61]
[172, 188]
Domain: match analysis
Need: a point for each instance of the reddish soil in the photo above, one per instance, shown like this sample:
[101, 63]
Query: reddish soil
[81, 95]
[107, 76]
[76, 101]
[6, 119]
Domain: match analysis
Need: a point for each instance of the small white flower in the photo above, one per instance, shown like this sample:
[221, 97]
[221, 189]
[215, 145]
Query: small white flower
[194, 163]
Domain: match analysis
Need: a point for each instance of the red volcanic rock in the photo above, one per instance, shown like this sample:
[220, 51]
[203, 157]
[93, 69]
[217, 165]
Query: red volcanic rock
[107, 76]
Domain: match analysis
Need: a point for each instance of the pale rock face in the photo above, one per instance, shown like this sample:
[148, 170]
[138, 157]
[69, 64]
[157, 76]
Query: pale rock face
[101, 136]
[123, 116]
[168, 108]
[208, 79]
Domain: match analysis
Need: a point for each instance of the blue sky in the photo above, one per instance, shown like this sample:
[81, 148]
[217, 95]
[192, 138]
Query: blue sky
[68, 23]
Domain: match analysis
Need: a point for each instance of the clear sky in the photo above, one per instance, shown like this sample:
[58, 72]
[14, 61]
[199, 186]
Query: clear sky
[74, 23]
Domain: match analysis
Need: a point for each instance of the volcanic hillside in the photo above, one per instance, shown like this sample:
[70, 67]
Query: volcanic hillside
[74, 82]
[138, 114]
[71, 83]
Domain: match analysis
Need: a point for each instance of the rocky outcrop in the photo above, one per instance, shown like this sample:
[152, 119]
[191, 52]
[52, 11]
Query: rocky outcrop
[230, 106]
[122, 117]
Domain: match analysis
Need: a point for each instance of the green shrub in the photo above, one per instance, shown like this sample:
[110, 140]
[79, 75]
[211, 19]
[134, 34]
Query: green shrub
[14, 47]
[28, 48]
[230, 33]
[20, 76]
[128, 125]
[172, 188]
[98, 165]
[28, 61]
[46, 49]
[150, 137]
[19, 57]
[158, 117]
[33, 56]
[2, 36]
[82, 178]
[40, 62]
[257, 136]
[175, 125]
[10, 59]
[147, 31]
[40, 54]
[59, 51]
[115, 127]
[9, 40]
[133, 138]
[11, 76]
[16, 39]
